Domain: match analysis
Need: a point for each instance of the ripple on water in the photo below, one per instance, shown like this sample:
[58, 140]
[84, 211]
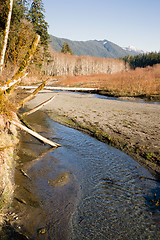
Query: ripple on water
[87, 190]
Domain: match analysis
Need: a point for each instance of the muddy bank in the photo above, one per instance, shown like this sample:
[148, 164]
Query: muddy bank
[8, 141]
[121, 95]
[129, 126]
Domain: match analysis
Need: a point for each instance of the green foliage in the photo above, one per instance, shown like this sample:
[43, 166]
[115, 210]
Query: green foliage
[37, 18]
[24, 24]
[18, 12]
[66, 48]
[143, 60]
[20, 31]
[3, 14]
[24, 5]
[94, 48]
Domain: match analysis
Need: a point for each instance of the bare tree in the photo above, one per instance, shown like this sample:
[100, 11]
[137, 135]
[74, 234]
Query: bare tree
[6, 32]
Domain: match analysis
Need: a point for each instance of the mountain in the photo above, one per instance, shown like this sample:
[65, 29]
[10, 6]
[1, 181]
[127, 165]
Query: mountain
[133, 50]
[103, 48]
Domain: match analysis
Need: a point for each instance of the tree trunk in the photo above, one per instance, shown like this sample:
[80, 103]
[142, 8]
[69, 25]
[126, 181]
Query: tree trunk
[28, 98]
[27, 58]
[11, 84]
[35, 134]
[6, 32]
[38, 107]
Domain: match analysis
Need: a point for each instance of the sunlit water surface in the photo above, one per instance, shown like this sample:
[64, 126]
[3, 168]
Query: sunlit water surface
[82, 190]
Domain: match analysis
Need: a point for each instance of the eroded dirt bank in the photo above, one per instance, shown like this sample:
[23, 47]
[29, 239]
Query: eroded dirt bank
[132, 127]
[8, 141]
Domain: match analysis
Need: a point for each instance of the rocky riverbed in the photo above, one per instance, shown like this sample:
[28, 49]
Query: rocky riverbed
[131, 127]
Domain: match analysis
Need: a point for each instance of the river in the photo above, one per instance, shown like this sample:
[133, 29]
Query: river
[82, 190]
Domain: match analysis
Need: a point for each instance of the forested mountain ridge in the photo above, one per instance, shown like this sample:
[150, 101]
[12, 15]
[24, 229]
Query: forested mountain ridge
[103, 48]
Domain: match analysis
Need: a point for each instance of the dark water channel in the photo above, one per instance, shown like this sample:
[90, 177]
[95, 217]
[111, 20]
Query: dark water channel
[82, 190]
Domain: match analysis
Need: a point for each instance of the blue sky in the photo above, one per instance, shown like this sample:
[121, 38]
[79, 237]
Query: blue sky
[124, 22]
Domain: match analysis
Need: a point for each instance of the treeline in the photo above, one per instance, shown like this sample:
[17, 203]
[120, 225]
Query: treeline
[27, 20]
[142, 61]
[138, 82]
[67, 64]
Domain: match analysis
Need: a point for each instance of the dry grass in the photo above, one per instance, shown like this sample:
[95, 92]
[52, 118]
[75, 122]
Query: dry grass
[7, 102]
[136, 82]
[7, 106]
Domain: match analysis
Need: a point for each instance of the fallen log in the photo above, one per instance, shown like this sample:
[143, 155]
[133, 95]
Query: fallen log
[38, 107]
[25, 174]
[23, 101]
[9, 85]
[35, 134]
[24, 122]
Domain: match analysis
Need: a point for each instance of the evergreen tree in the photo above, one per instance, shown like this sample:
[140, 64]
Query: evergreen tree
[21, 31]
[143, 60]
[23, 26]
[37, 18]
[3, 14]
[66, 49]
[24, 6]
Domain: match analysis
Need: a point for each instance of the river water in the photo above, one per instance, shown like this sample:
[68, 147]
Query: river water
[84, 189]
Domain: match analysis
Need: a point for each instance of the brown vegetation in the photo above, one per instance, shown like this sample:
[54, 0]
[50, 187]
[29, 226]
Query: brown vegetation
[142, 81]
[66, 64]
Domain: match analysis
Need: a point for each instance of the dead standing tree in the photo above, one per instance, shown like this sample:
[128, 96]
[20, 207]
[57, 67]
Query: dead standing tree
[6, 33]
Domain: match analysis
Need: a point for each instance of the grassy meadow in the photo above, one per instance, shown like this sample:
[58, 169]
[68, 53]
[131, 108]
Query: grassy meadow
[138, 82]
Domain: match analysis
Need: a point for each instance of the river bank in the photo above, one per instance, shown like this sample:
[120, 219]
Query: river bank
[8, 142]
[129, 126]
[61, 194]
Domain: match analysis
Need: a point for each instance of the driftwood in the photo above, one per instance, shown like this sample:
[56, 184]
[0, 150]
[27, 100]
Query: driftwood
[38, 107]
[24, 122]
[8, 86]
[73, 89]
[25, 174]
[23, 101]
[35, 134]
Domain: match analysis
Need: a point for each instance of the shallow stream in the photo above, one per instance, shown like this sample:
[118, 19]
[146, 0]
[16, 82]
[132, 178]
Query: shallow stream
[82, 190]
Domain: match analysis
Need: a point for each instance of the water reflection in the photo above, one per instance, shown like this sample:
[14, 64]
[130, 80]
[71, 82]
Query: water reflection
[83, 190]
[112, 202]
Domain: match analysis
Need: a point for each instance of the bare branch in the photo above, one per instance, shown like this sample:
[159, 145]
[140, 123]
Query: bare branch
[38, 107]
[23, 101]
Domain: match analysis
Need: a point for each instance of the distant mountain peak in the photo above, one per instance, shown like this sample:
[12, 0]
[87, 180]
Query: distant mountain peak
[105, 41]
[96, 48]
[134, 49]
